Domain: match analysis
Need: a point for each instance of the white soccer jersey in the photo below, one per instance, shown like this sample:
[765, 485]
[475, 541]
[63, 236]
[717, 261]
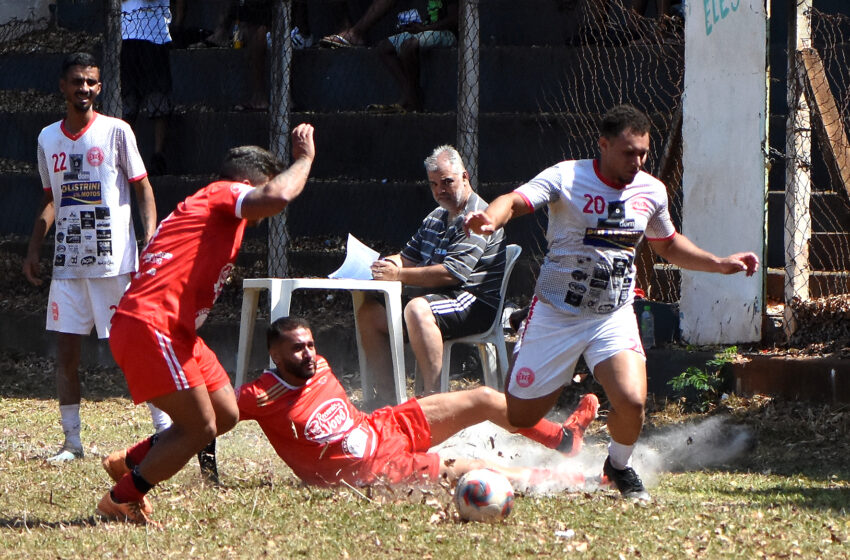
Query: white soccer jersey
[593, 230]
[90, 174]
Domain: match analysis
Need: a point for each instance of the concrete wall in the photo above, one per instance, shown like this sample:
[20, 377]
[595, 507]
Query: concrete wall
[724, 184]
[23, 9]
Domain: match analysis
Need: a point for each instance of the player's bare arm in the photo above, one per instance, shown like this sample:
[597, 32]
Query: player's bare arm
[271, 198]
[43, 221]
[147, 207]
[681, 251]
[500, 212]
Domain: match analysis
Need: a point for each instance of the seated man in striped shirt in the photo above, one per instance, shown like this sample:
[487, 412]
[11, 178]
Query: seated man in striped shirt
[453, 280]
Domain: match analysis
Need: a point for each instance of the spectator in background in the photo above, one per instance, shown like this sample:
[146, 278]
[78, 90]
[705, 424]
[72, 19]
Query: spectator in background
[146, 69]
[248, 23]
[401, 52]
[453, 280]
[355, 35]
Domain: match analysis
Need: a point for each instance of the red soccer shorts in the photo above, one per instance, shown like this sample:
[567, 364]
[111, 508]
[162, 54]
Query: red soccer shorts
[155, 364]
[404, 437]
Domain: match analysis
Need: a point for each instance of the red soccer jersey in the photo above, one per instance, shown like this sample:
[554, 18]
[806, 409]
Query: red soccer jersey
[325, 439]
[314, 428]
[186, 264]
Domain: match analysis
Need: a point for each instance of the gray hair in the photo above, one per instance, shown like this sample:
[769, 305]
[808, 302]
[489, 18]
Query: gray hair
[453, 156]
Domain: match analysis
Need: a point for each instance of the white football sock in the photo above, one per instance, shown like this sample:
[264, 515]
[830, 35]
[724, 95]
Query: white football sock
[620, 455]
[70, 414]
[161, 420]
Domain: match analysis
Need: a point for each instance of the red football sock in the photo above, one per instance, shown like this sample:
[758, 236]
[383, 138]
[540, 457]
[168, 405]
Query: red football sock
[125, 490]
[545, 432]
[137, 452]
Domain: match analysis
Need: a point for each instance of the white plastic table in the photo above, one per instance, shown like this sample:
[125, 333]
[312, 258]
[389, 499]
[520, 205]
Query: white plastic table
[280, 297]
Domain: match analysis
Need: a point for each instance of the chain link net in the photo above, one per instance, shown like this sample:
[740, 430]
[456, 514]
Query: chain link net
[817, 160]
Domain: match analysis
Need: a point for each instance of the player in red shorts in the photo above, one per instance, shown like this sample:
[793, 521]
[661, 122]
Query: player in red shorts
[154, 338]
[318, 432]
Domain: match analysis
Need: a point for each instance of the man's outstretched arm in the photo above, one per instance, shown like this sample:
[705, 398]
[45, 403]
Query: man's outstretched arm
[681, 251]
[500, 212]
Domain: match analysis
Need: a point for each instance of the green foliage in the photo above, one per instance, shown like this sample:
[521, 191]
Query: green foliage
[705, 383]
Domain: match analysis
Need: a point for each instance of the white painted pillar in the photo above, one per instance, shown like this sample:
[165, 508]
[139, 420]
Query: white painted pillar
[724, 131]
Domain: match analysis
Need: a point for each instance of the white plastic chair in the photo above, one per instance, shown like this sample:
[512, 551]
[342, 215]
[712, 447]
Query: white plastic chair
[494, 335]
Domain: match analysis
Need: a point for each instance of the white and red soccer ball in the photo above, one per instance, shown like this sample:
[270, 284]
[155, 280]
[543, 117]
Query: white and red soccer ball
[484, 495]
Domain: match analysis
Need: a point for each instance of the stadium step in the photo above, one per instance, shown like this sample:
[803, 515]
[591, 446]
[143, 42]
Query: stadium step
[506, 22]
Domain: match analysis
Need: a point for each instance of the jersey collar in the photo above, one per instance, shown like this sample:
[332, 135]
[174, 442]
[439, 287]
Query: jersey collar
[81, 132]
[609, 183]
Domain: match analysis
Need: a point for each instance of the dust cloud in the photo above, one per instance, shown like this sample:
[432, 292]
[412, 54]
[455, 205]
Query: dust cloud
[713, 442]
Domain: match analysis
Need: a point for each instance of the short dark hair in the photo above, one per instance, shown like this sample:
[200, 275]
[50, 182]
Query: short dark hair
[251, 163]
[623, 117]
[284, 325]
[83, 59]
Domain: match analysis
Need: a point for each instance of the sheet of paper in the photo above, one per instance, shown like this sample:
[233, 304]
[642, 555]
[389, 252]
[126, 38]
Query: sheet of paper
[358, 260]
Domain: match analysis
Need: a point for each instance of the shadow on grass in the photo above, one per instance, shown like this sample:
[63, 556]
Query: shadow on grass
[36, 523]
[833, 499]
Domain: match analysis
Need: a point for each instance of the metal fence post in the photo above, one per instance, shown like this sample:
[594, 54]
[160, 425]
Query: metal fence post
[111, 64]
[798, 180]
[279, 120]
[468, 81]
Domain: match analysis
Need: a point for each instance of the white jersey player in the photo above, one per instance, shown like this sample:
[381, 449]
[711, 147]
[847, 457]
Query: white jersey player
[598, 211]
[87, 163]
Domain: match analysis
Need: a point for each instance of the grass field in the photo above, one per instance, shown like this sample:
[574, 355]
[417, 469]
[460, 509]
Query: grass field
[787, 498]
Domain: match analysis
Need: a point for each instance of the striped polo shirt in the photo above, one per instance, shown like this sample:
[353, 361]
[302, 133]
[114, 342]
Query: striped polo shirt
[477, 261]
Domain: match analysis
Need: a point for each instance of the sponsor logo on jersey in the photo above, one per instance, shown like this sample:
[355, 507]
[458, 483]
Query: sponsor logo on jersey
[329, 422]
[524, 377]
[641, 206]
[578, 288]
[80, 193]
[579, 275]
[156, 258]
[573, 299]
[95, 156]
[612, 238]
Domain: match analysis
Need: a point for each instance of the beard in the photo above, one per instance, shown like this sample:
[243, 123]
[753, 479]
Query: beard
[303, 369]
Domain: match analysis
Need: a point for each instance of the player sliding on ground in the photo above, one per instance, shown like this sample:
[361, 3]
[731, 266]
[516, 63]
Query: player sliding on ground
[306, 414]
[318, 432]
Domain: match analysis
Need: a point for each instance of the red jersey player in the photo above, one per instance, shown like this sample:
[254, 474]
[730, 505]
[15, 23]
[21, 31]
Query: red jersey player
[154, 338]
[318, 432]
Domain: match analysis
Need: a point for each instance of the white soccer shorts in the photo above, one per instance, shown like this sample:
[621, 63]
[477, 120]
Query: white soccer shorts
[75, 305]
[552, 341]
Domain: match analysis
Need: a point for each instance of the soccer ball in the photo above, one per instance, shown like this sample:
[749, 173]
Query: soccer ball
[484, 495]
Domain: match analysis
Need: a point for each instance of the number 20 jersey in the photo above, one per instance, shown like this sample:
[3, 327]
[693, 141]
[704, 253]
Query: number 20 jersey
[594, 227]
